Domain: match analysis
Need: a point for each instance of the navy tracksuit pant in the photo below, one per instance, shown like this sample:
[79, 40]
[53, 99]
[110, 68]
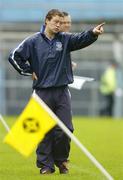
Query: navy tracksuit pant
[55, 147]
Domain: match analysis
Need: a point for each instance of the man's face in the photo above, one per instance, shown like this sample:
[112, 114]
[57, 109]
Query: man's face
[54, 25]
[66, 24]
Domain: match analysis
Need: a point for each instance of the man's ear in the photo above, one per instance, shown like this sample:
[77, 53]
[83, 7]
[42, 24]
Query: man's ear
[46, 21]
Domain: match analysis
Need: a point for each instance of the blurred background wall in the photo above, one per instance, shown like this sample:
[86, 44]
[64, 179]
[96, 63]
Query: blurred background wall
[19, 19]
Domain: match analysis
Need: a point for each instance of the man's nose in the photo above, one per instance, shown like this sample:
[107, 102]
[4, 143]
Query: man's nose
[58, 23]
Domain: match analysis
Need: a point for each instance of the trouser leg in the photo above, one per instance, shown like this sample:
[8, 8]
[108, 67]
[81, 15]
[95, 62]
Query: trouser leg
[44, 152]
[110, 102]
[44, 149]
[61, 142]
[61, 146]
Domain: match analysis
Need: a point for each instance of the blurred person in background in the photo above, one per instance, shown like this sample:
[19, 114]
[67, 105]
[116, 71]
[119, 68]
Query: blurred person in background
[66, 24]
[66, 27]
[46, 56]
[108, 84]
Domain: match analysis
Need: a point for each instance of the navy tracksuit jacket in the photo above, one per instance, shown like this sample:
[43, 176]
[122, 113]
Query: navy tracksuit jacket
[50, 60]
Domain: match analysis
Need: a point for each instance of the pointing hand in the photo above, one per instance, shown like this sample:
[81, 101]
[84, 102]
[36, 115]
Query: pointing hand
[99, 29]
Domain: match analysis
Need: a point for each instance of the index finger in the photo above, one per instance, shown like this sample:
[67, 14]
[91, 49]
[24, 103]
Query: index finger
[102, 24]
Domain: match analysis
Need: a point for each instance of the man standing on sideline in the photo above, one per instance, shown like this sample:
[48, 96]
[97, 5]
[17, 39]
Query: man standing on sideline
[46, 54]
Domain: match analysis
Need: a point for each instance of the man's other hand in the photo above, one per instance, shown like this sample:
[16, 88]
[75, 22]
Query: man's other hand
[34, 76]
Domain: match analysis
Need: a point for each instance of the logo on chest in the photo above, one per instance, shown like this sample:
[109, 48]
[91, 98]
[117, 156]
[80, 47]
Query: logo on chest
[58, 46]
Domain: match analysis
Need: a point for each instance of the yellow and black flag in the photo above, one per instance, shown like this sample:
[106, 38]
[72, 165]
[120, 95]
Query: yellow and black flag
[31, 127]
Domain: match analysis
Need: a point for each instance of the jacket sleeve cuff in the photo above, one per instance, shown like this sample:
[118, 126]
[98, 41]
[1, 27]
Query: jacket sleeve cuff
[92, 34]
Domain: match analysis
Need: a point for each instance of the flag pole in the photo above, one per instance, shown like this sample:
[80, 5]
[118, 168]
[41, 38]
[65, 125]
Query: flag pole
[75, 140]
[86, 152]
[4, 123]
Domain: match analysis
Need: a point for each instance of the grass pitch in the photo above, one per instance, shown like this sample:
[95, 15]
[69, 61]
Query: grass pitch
[102, 137]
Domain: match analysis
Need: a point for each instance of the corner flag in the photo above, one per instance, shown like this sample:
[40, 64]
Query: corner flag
[33, 124]
[30, 128]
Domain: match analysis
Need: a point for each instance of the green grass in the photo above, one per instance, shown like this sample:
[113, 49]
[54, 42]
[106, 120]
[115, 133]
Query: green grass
[102, 137]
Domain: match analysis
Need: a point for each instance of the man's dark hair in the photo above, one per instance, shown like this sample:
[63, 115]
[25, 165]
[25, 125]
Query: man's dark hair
[52, 13]
[65, 13]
